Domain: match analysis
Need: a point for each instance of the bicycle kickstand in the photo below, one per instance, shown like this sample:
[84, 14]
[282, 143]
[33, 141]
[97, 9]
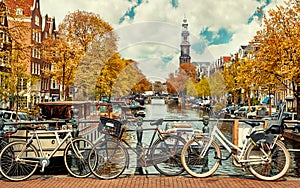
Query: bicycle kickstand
[146, 170]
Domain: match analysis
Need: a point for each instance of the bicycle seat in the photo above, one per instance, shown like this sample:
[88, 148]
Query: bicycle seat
[157, 122]
[252, 123]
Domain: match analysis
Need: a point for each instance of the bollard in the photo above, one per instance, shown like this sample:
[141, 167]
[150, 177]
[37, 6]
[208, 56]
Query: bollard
[235, 132]
[205, 128]
[74, 121]
[139, 146]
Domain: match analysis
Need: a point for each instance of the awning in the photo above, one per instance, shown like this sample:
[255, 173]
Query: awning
[266, 100]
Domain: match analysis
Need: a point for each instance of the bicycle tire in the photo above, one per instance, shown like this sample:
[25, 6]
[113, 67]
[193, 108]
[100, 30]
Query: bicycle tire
[277, 165]
[15, 170]
[2, 144]
[108, 159]
[76, 157]
[166, 155]
[198, 166]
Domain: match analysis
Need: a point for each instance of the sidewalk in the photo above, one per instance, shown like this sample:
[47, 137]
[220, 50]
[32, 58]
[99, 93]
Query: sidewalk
[63, 181]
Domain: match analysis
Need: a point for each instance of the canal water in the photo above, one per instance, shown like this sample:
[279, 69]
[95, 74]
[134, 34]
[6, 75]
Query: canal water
[175, 112]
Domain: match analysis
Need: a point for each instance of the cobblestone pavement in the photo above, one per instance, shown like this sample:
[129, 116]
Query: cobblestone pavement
[141, 181]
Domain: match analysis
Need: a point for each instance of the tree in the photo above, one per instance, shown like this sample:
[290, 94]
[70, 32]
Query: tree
[98, 41]
[142, 86]
[190, 70]
[217, 85]
[278, 49]
[65, 58]
[85, 42]
[178, 84]
[203, 88]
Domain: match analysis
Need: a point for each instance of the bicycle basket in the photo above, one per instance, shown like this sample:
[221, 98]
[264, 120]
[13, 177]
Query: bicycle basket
[112, 126]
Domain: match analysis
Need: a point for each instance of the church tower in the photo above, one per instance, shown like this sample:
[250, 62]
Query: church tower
[185, 44]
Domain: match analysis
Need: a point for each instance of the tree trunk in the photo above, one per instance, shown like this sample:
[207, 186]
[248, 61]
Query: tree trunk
[298, 100]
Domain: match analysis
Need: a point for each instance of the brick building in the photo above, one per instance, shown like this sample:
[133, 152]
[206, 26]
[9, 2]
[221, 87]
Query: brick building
[33, 85]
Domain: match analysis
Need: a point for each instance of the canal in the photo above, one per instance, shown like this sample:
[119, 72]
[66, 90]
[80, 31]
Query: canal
[175, 112]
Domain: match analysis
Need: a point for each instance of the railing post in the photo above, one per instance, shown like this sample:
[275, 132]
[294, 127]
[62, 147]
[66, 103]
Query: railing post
[235, 132]
[205, 128]
[265, 124]
[139, 146]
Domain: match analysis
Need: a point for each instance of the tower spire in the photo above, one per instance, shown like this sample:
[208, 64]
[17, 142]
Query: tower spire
[185, 44]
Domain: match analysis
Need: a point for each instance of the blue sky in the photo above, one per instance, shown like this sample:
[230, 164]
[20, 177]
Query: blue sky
[149, 30]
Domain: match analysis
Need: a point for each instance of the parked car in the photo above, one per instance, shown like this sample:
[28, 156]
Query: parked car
[253, 112]
[256, 112]
[241, 112]
[290, 121]
[11, 115]
[271, 117]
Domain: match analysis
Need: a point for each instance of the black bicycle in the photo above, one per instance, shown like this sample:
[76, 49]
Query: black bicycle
[112, 158]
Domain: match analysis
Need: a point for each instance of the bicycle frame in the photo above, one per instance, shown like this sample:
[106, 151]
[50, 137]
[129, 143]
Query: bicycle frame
[228, 145]
[35, 134]
[142, 154]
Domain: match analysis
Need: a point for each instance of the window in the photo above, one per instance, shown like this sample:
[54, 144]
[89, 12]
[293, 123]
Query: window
[2, 20]
[37, 20]
[19, 11]
[32, 67]
[33, 35]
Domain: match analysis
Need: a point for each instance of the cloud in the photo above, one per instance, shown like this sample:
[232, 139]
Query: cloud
[150, 30]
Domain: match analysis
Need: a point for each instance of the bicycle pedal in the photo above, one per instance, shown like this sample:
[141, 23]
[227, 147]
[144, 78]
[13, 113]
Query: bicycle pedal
[44, 163]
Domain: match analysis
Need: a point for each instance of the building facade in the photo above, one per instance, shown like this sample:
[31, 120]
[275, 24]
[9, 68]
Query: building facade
[34, 85]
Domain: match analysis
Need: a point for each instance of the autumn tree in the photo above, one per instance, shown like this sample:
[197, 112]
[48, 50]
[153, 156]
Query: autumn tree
[84, 43]
[142, 85]
[217, 85]
[191, 89]
[170, 84]
[178, 84]
[203, 88]
[65, 58]
[109, 75]
[277, 58]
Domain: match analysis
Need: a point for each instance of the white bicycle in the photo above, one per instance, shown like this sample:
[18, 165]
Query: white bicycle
[263, 154]
[20, 159]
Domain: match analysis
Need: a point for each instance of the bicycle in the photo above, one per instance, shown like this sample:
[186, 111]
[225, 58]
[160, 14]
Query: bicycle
[111, 156]
[20, 159]
[262, 153]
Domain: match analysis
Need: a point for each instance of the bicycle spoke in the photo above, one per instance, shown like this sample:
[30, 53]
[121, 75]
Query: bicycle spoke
[165, 155]
[196, 164]
[110, 159]
[76, 157]
[268, 164]
[21, 169]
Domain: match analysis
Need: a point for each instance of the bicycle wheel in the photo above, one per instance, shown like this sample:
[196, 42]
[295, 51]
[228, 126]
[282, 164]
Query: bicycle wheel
[76, 157]
[270, 167]
[108, 159]
[197, 165]
[166, 155]
[12, 166]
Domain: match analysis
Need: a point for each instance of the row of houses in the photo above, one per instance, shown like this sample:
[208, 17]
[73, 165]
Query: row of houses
[36, 28]
[285, 95]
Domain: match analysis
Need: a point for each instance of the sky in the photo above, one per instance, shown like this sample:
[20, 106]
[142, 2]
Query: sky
[149, 31]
